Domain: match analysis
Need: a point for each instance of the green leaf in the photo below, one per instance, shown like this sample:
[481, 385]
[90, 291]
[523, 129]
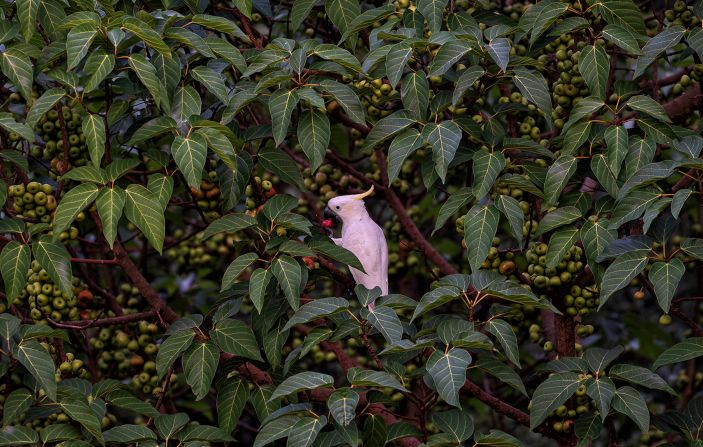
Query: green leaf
[161, 187]
[230, 223]
[342, 405]
[555, 219]
[480, 227]
[189, 154]
[9, 326]
[223, 24]
[186, 104]
[278, 162]
[622, 12]
[510, 208]
[496, 438]
[55, 259]
[366, 19]
[59, 432]
[649, 173]
[366, 377]
[235, 337]
[345, 96]
[27, 14]
[171, 348]
[342, 13]
[307, 380]
[455, 202]
[212, 81]
[449, 54]
[236, 268]
[124, 399]
[288, 274]
[486, 168]
[317, 309]
[281, 105]
[396, 60]
[189, 39]
[128, 433]
[632, 207]
[649, 106]
[169, 424]
[559, 244]
[665, 277]
[458, 424]
[503, 332]
[622, 37]
[200, 364]
[99, 64]
[499, 50]
[153, 128]
[43, 104]
[502, 372]
[146, 72]
[693, 247]
[384, 320]
[300, 11]
[533, 86]
[336, 252]
[584, 108]
[39, 363]
[541, 17]
[435, 298]
[147, 34]
[415, 93]
[639, 376]
[602, 391]
[7, 121]
[594, 66]
[275, 429]
[448, 371]
[389, 126]
[16, 403]
[465, 83]
[14, 262]
[680, 352]
[630, 402]
[72, 203]
[605, 176]
[339, 55]
[619, 274]
[433, 11]
[232, 396]
[314, 136]
[78, 43]
[78, 409]
[8, 31]
[144, 211]
[575, 137]
[258, 282]
[550, 394]
[18, 69]
[616, 140]
[305, 431]
[400, 149]
[655, 46]
[94, 131]
[444, 139]
[18, 435]
[558, 175]
[110, 204]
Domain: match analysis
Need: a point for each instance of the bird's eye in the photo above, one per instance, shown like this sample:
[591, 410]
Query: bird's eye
[337, 207]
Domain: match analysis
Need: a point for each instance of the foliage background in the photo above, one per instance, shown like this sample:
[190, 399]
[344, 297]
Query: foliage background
[168, 281]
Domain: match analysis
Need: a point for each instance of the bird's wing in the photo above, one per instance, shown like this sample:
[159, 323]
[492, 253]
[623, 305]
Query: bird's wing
[371, 250]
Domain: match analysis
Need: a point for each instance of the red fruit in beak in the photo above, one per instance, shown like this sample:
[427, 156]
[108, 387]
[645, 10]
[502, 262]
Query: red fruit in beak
[327, 223]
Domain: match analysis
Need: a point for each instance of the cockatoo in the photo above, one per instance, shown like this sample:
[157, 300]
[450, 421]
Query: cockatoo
[363, 237]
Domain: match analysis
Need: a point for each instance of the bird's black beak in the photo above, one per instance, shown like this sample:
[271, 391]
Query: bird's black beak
[329, 214]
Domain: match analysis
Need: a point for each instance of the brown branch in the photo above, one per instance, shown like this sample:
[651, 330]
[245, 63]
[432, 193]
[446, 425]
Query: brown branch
[102, 322]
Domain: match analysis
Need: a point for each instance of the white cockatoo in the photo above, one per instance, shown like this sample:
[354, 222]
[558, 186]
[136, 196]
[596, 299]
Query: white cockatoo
[363, 237]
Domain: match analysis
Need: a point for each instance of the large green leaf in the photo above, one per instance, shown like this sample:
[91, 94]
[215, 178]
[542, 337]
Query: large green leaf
[236, 268]
[212, 81]
[448, 371]
[16, 403]
[232, 396]
[630, 402]
[56, 260]
[288, 274]
[452, 205]
[14, 262]
[465, 82]
[400, 149]
[415, 94]
[189, 154]
[307, 380]
[503, 332]
[235, 337]
[388, 127]
[667, 38]
[39, 363]
[99, 64]
[43, 104]
[486, 168]
[550, 394]
[456, 423]
[533, 86]
[144, 211]
[557, 218]
[384, 320]
[342, 404]
[72, 203]
[281, 105]
[110, 205]
[499, 50]
[665, 277]
[345, 96]
[171, 348]
[639, 376]
[510, 208]
[18, 68]
[200, 364]
[27, 13]
[78, 43]
[601, 391]
[396, 59]
[619, 274]
[559, 244]
[444, 139]
[558, 175]
[624, 13]
[680, 352]
[80, 411]
[305, 431]
[146, 72]
[314, 136]
[594, 66]
[317, 309]
[480, 227]
[616, 140]
[128, 433]
[433, 11]
[147, 34]
[449, 54]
